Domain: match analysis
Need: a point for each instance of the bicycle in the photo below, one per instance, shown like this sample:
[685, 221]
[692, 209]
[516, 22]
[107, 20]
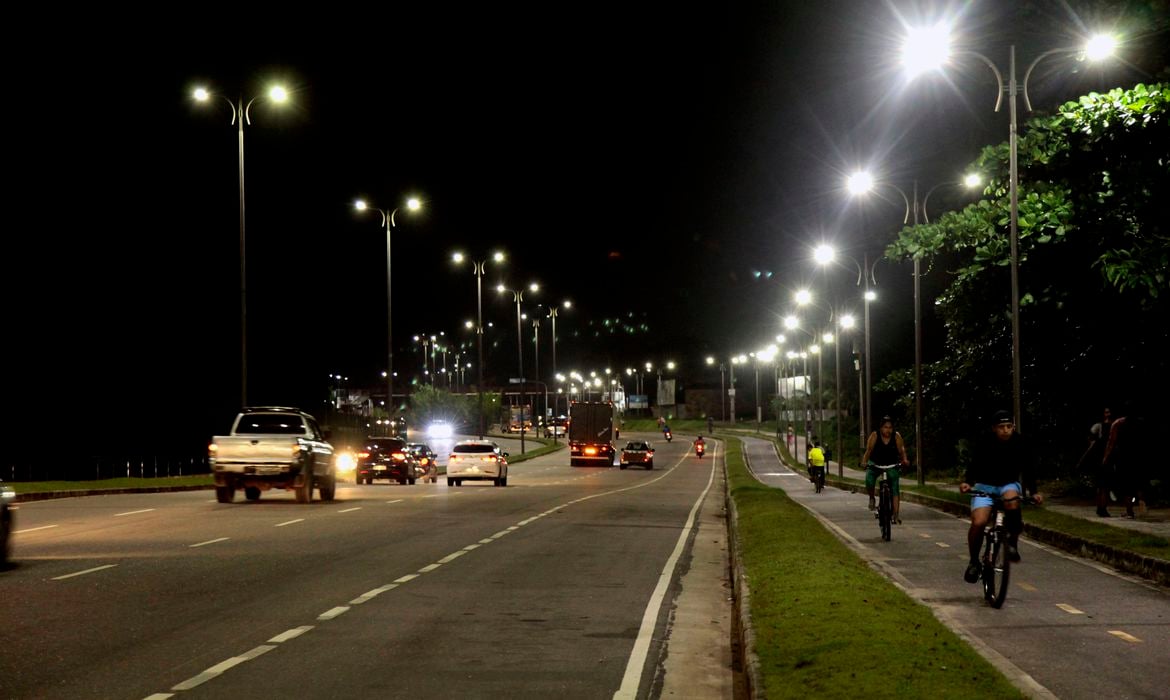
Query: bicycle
[885, 510]
[996, 566]
[817, 476]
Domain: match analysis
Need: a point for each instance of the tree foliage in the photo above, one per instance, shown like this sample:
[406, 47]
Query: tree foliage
[1094, 259]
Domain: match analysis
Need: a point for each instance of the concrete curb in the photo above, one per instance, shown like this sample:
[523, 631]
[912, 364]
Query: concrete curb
[753, 675]
[48, 495]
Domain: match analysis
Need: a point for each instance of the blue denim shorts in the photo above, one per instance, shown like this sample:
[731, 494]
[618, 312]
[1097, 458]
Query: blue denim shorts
[984, 501]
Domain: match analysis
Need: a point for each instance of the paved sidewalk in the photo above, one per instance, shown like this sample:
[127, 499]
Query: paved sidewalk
[1153, 521]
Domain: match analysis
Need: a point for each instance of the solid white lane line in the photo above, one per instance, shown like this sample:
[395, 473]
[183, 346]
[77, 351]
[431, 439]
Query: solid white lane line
[83, 573]
[222, 666]
[217, 539]
[429, 568]
[289, 522]
[1069, 609]
[333, 612]
[290, 634]
[633, 674]
[404, 579]
[452, 556]
[349, 510]
[33, 529]
[370, 595]
[1125, 635]
[133, 512]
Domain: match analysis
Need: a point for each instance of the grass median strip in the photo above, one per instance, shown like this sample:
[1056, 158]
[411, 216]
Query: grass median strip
[827, 625]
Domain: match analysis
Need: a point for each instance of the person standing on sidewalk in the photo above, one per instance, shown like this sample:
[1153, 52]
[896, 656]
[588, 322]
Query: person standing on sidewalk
[885, 447]
[1124, 460]
[1001, 460]
[1093, 461]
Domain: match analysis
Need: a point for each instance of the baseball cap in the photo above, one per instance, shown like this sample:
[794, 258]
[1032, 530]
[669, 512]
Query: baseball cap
[1002, 417]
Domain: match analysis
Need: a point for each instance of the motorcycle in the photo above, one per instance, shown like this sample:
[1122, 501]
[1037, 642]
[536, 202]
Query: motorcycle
[700, 448]
[667, 435]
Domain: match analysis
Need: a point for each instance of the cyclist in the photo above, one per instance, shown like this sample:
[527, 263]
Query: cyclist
[999, 462]
[816, 461]
[885, 447]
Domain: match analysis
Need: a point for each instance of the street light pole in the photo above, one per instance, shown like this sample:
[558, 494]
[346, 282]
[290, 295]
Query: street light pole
[241, 114]
[478, 267]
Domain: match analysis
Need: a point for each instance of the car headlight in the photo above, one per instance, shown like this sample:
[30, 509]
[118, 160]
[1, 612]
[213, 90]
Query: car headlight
[439, 430]
[345, 462]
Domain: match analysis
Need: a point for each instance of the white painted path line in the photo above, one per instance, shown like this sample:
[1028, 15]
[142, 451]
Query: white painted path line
[290, 634]
[333, 612]
[159, 696]
[33, 529]
[404, 579]
[1125, 635]
[472, 546]
[452, 556]
[1027, 586]
[397, 500]
[429, 568]
[217, 539]
[349, 510]
[83, 573]
[370, 595]
[944, 545]
[133, 512]
[289, 522]
[1070, 609]
[222, 666]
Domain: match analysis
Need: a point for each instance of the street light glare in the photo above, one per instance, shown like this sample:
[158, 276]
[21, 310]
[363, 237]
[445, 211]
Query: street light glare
[791, 322]
[926, 48]
[670, 365]
[859, 182]
[201, 94]
[568, 304]
[500, 288]
[1099, 47]
[278, 94]
[973, 180]
[870, 295]
[803, 296]
[710, 360]
[827, 337]
[847, 321]
[468, 324]
[780, 338]
[413, 204]
[498, 257]
[457, 257]
[824, 254]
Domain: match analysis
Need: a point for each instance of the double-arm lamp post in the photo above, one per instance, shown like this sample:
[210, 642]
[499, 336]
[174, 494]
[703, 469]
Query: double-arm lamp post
[478, 267]
[412, 204]
[518, 297]
[927, 49]
[241, 115]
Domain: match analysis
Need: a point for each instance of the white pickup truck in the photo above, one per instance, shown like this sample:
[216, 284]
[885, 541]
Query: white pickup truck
[272, 447]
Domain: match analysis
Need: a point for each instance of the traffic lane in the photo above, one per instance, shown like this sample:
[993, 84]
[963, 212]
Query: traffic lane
[176, 601]
[550, 608]
[1068, 623]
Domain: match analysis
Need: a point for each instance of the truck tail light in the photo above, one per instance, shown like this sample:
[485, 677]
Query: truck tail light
[590, 450]
[363, 455]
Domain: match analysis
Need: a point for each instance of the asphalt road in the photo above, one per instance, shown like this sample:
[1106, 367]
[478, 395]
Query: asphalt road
[1070, 627]
[560, 584]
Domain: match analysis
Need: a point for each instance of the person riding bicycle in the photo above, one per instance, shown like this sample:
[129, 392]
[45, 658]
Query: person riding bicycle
[816, 461]
[1000, 460]
[885, 447]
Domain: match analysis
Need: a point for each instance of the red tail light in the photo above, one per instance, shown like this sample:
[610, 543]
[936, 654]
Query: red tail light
[363, 455]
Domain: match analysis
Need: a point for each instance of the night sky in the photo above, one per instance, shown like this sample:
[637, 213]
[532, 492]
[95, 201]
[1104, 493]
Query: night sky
[644, 163]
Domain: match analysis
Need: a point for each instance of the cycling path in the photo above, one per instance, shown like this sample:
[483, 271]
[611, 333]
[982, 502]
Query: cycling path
[1070, 628]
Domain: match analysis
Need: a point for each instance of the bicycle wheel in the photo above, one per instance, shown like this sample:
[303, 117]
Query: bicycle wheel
[996, 569]
[819, 479]
[885, 511]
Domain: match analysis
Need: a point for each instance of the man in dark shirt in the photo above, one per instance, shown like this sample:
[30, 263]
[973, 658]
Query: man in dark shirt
[1000, 461]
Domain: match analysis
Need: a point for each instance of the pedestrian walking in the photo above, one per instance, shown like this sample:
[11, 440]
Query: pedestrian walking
[1092, 462]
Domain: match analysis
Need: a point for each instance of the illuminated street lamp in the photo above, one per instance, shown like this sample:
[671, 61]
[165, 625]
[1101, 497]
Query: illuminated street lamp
[518, 296]
[722, 389]
[929, 48]
[478, 268]
[913, 211]
[241, 114]
[412, 204]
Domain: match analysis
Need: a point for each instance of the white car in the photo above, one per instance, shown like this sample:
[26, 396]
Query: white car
[477, 460]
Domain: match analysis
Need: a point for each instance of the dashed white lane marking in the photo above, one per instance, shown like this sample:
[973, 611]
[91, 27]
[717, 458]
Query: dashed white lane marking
[217, 539]
[472, 546]
[944, 545]
[159, 696]
[397, 500]
[290, 634]
[333, 612]
[452, 556]
[289, 522]
[83, 573]
[1070, 609]
[1125, 635]
[222, 666]
[370, 595]
[486, 540]
[349, 510]
[429, 568]
[133, 512]
[33, 529]
[924, 535]
[1027, 586]
[404, 579]
[499, 534]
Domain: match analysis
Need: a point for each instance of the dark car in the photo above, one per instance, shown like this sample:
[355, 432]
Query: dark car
[7, 496]
[384, 458]
[426, 466]
[637, 452]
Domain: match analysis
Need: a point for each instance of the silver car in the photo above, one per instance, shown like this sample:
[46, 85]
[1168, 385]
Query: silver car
[477, 460]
